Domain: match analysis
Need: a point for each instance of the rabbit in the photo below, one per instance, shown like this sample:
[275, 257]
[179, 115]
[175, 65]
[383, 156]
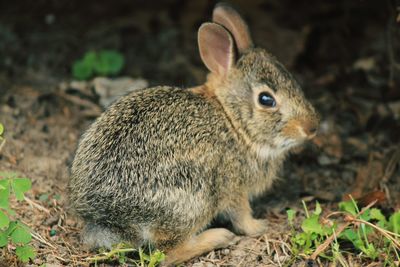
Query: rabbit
[161, 163]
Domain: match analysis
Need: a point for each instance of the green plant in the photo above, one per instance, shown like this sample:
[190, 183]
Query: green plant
[375, 237]
[313, 231]
[1, 131]
[13, 231]
[104, 63]
[2, 139]
[154, 258]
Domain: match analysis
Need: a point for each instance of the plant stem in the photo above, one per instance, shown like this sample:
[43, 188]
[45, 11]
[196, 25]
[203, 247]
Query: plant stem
[110, 254]
[321, 248]
[305, 209]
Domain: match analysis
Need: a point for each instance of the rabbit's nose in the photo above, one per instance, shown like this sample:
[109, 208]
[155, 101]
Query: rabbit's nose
[310, 128]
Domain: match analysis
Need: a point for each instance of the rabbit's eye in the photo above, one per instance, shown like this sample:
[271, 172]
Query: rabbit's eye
[266, 99]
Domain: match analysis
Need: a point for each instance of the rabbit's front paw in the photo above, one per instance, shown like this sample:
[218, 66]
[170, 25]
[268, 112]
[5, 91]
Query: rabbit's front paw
[255, 227]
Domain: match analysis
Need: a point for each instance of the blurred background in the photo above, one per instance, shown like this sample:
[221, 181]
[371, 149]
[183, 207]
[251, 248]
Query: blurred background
[344, 53]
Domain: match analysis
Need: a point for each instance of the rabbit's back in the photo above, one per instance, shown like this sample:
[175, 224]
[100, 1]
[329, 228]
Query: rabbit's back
[152, 155]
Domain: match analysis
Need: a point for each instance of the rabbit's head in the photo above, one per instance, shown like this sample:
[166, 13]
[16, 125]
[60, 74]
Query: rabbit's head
[261, 98]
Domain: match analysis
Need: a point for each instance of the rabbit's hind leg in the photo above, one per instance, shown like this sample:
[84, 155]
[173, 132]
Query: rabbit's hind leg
[197, 245]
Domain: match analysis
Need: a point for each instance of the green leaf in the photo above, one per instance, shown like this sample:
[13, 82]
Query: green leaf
[300, 239]
[25, 253]
[3, 239]
[4, 193]
[1, 129]
[10, 212]
[312, 225]
[318, 209]
[366, 215]
[156, 258]
[11, 227]
[370, 251]
[4, 234]
[20, 186]
[21, 235]
[290, 214]
[90, 58]
[376, 214]
[82, 70]
[348, 206]
[43, 197]
[394, 222]
[352, 236]
[159, 255]
[349, 234]
[4, 221]
[109, 63]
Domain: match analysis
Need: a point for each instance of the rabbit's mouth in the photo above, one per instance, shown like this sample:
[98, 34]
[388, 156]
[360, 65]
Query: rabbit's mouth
[285, 144]
[278, 148]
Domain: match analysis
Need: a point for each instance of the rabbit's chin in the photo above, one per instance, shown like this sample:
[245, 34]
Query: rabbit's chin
[279, 148]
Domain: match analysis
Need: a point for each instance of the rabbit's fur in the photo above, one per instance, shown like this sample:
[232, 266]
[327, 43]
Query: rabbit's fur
[161, 163]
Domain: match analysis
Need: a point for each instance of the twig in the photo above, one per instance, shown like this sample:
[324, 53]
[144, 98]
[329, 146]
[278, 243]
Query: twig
[93, 108]
[250, 250]
[283, 244]
[61, 259]
[41, 239]
[390, 167]
[108, 255]
[3, 141]
[393, 65]
[321, 248]
[36, 205]
[384, 232]
[277, 255]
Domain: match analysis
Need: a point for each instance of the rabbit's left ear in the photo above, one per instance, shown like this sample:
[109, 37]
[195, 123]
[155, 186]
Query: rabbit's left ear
[216, 48]
[228, 17]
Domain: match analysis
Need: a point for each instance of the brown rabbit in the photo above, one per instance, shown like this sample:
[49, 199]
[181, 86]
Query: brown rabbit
[161, 163]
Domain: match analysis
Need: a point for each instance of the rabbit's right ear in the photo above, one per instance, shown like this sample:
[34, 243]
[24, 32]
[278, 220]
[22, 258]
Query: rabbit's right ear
[228, 17]
[216, 48]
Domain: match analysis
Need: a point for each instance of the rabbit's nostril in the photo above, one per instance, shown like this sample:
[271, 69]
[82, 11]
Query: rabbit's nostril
[310, 129]
[313, 130]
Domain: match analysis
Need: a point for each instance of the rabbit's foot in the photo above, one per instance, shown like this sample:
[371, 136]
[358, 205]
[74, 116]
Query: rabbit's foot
[242, 219]
[204, 242]
[254, 227]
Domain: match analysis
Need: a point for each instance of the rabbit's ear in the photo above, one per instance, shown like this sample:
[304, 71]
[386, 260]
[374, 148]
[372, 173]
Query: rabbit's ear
[229, 18]
[216, 48]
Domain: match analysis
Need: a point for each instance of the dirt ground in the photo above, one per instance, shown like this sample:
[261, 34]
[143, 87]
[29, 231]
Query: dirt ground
[344, 53]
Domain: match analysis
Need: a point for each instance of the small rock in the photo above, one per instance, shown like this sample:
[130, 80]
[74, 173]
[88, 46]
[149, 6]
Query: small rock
[395, 108]
[110, 90]
[51, 220]
[225, 251]
[203, 264]
[78, 85]
[365, 64]
[325, 160]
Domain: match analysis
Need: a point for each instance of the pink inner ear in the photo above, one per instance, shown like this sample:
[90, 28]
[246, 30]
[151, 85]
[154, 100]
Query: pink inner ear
[216, 48]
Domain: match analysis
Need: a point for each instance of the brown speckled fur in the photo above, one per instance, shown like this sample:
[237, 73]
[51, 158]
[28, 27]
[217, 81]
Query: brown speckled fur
[161, 163]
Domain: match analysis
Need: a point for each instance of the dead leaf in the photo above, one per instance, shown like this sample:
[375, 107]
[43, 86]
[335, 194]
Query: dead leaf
[365, 64]
[378, 196]
[368, 177]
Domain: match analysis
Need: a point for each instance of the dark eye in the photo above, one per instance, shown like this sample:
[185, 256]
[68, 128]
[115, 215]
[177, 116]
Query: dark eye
[266, 99]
